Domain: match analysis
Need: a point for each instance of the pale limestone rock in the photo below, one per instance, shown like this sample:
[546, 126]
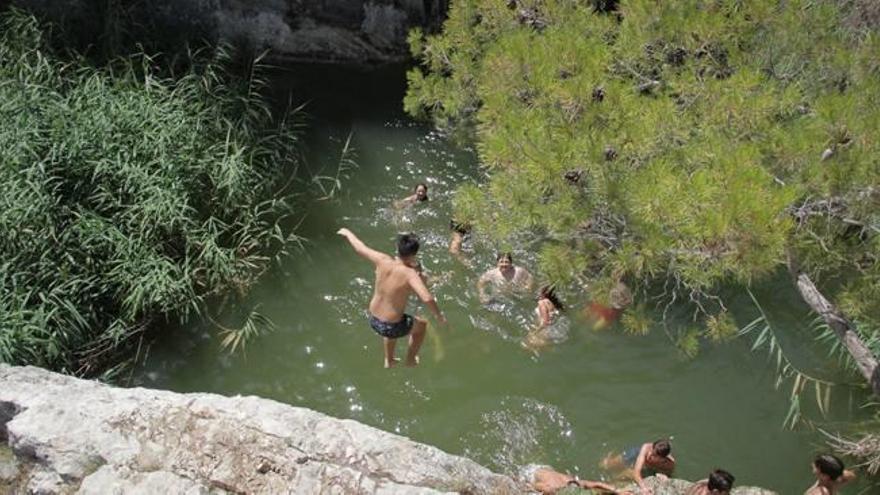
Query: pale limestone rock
[89, 438]
[75, 436]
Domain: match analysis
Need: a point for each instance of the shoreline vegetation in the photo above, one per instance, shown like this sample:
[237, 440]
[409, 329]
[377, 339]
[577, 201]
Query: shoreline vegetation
[682, 148]
[130, 197]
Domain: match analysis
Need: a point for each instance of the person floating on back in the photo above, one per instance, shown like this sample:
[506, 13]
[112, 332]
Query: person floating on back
[504, 276]
[719, 482]
[643, 460]
[419, 195]
[830, 475]
[397, 278]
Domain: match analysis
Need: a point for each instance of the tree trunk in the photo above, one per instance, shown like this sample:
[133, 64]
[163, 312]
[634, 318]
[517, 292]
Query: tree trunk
[842, 327]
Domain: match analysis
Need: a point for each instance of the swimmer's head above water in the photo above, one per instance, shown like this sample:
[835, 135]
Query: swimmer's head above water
[549, 292]
[504, 260]
[421, 192]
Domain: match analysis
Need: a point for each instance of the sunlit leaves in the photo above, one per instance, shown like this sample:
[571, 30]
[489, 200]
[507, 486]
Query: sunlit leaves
[671, 145]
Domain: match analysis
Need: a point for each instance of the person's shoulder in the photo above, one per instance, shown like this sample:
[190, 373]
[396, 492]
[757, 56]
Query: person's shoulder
[698, 488]
[816, 490]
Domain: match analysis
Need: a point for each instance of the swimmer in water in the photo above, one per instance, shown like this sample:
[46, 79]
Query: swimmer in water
[601, 315]
[548, 309]
[420, 195]
[459, 232]
[397, 278]
[719, 482]
[505, 276]
[643, 460]
[546, 480]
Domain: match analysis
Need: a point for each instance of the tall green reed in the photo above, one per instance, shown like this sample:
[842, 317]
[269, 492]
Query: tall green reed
[128, 197]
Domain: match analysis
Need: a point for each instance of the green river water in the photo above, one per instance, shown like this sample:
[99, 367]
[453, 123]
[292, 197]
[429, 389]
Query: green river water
[478, 392]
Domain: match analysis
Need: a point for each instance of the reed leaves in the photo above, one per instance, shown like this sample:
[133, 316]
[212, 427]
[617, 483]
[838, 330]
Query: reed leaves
[128, 197]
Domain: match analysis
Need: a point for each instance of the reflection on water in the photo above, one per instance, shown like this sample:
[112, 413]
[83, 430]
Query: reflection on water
[478, 391]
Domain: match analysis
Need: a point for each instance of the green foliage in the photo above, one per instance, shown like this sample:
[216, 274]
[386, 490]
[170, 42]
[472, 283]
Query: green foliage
[692, 143]
[636, 320]
[255, 324]
[721, 327]
[128, 197]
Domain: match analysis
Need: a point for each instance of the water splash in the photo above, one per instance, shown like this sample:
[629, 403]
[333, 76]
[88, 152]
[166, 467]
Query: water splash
[520, 431]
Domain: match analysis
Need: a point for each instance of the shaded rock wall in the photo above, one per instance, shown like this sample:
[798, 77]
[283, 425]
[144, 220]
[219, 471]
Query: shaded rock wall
[347, 31]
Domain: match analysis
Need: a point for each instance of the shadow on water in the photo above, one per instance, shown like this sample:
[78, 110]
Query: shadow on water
[478, 392]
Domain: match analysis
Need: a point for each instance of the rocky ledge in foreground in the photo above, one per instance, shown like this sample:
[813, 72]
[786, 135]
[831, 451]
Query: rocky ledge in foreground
[61, 435]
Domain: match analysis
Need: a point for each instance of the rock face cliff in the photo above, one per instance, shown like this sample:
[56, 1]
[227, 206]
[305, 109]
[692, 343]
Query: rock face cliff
[346, 31]
[66, 435]
[62, 435]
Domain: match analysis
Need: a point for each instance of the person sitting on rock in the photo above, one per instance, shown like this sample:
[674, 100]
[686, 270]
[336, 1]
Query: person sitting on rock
[643, 460]
[546, 480]
[830, 475]
[719, 482]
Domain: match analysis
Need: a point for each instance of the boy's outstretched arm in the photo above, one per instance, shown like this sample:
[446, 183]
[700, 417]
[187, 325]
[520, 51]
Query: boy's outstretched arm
[361, 248]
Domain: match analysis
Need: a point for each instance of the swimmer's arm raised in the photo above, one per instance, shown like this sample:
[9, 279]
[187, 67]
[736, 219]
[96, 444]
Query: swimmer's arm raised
[361, 248]
[418, 286]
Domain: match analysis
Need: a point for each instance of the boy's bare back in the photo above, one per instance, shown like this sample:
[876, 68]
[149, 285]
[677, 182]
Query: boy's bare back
[394, 283]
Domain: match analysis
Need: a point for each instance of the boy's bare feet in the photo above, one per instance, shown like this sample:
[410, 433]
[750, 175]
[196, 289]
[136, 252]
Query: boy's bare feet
[391, 363]
[413, 362]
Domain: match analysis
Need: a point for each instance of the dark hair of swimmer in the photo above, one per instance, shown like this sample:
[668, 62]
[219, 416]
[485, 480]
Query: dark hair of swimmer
[461, 228]
[504, 256]
[720, 480]
[662, 448]
[549, 292]
[407, 245]
[416, 190]
[829, 465]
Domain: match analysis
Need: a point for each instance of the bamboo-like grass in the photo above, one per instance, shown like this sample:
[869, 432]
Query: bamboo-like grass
[127, 197]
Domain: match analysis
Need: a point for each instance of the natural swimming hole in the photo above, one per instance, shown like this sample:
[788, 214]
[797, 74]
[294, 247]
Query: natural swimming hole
[478, 392]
